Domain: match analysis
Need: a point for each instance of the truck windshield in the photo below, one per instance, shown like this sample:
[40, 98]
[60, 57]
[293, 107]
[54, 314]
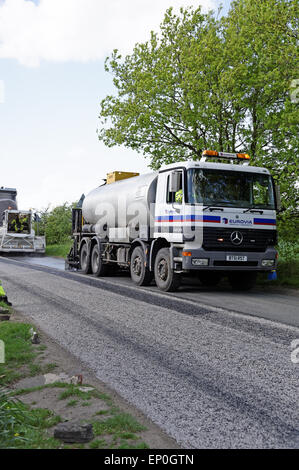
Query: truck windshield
[230, 188]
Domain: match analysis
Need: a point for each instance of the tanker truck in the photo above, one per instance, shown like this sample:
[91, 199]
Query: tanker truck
[16, 232]
[201, 218]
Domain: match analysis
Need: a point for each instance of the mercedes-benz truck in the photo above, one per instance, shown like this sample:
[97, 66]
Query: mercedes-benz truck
[204, 218]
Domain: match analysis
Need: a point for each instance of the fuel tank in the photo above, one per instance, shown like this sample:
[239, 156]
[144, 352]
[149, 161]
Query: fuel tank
[121, 204]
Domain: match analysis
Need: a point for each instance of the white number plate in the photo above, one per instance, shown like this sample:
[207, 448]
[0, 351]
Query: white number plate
[236, 258]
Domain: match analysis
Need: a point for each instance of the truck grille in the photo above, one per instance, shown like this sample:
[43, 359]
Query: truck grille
[235, 263]
[253, 240]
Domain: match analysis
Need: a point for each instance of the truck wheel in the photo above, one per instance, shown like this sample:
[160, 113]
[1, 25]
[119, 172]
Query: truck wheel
[242, 281]
[209, 279]
[165, 278]
[84, 259]
[97, 266]
[140, 274]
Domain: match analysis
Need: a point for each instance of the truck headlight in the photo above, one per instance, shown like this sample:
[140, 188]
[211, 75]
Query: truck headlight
[200, 261]
[268, 262]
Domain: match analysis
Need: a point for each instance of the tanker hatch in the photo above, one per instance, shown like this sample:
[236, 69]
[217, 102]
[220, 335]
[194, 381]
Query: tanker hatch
[119, 175]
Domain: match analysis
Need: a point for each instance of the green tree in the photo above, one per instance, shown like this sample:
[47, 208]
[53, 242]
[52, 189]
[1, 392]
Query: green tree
[264, 37]
[154, 111]
[57, 224]
[210, 82]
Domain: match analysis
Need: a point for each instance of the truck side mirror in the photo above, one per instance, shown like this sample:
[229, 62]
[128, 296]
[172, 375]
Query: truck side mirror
[174, 182]
[277, 197]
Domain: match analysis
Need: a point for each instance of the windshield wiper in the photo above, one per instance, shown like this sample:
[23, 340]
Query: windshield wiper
[254, 209]
[213, 208]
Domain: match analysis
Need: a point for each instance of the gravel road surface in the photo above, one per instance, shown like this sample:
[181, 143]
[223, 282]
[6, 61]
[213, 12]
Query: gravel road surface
[208, 376]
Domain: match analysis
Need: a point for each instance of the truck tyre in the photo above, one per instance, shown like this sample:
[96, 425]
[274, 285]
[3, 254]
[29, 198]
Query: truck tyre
[209, 279]
[166, 279]
[242, 281]
[85, 259]
[97, 266]
[140, 274]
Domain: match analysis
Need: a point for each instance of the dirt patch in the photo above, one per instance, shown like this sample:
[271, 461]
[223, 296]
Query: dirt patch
[68, 409]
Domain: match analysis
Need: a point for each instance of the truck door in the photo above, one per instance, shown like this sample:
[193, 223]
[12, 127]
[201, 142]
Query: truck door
[175, 203]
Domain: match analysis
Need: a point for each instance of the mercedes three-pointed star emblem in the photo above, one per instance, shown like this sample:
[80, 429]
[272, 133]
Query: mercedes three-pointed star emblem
[236, 238]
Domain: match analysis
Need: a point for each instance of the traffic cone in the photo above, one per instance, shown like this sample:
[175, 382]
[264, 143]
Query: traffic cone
[3, 296]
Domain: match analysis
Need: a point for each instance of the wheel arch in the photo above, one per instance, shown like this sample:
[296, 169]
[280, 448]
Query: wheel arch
[85, 241]
[156, 245]
[95, 241]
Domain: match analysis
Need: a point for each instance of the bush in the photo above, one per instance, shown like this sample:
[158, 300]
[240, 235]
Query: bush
[56, 225]
[288, 251]
[288, 226]
[59, 225]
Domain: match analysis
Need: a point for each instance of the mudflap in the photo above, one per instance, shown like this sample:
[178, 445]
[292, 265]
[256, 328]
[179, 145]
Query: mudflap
[72, 262]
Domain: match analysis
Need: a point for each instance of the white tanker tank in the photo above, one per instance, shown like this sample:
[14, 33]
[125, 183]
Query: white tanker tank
[122, 204]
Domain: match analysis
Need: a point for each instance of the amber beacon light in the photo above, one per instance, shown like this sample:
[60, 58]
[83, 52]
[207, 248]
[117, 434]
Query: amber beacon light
[213, 153]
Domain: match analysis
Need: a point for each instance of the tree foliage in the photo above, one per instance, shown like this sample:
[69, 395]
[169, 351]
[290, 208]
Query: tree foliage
[212, 82]
[56, 225]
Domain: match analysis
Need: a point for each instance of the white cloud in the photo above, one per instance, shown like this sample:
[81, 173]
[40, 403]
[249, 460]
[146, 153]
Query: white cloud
[78, 30]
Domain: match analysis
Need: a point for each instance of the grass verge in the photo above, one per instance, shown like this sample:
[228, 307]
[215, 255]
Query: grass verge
[28, 425]
[5, 306]
[22, 427]
[59, 250]
[287, 275]
[19, 353]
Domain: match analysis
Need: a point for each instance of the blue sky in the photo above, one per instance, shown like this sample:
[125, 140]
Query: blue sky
[52, 67]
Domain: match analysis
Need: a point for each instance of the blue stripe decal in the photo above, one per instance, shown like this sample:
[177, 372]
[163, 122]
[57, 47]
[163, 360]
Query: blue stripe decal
[188, 218]
[264, 221]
